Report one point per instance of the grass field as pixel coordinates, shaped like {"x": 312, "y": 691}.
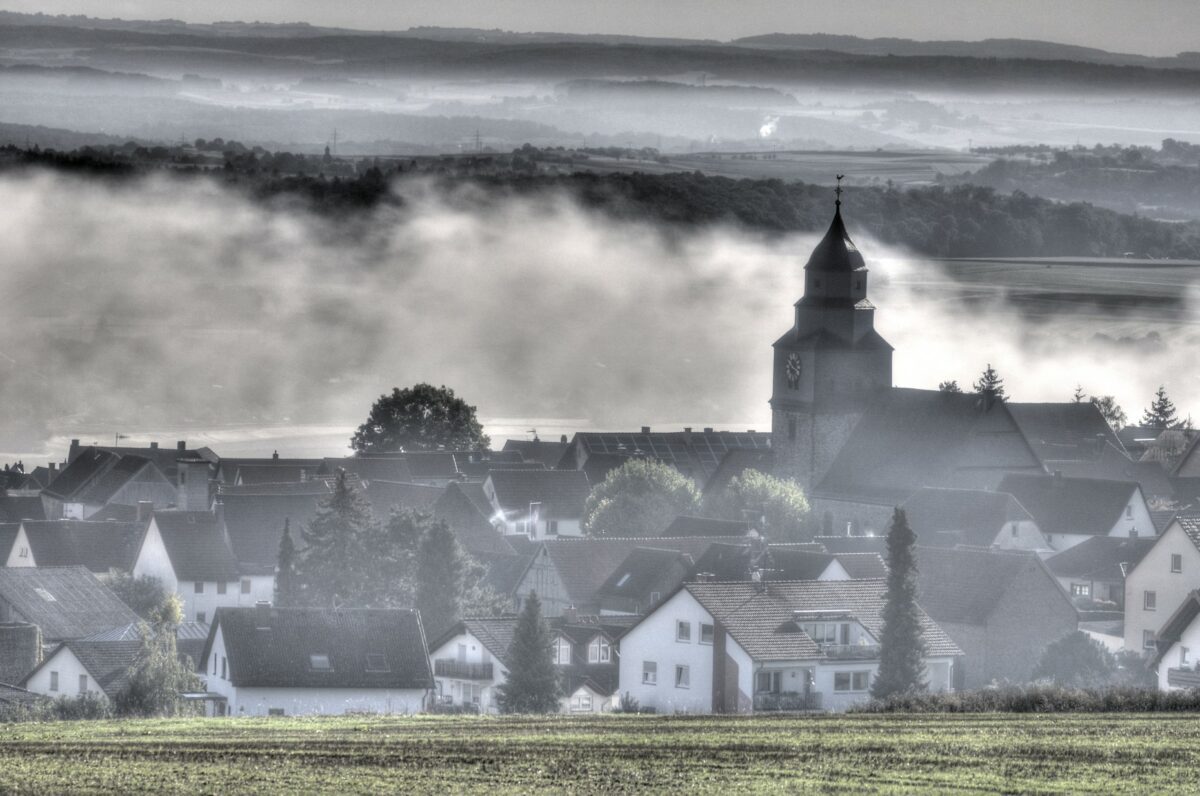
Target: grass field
{"x": 617, "y": 754}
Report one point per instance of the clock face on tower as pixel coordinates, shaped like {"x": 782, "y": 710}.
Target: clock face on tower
{"x": 793, "y": 370}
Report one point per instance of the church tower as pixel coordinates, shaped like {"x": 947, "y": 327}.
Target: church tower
{"x": 830, "y": 364}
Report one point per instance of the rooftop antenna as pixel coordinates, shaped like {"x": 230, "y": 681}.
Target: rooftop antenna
{"x": 334, "y": 147}
{"x": 838, "y": 190}
{"x": 533, "y": 431}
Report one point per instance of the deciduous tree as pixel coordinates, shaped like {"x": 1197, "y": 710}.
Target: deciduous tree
{"x": 420, "y": 418}
{"x": 639, "y": 498}
{"x": 778, "y": 502}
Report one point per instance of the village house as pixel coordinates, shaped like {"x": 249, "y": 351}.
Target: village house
{"x": 539, "y": 504}
{"x": 96, "y": 477}
{"x": 1093, "y": 572}
{"x": 467, "y": 511}
{"x": 641, "y": 580}
{"x": 1072, "y": 510}
{"x": 977, "y": 518}
{"x": 65, "y": 603}
{"x": 188, "y": 552}
{"x": 1161, "y": 581}
{"x": 469, "y": 661}
{"x": 1001, "y": 608}
{"x": 82, "y": 666}
{"x": 99, "y": 546}
{"x": 696, "y": 454}
{"x": 265, "y": 661}
{"x": 761, "y": 647}
{"x": 1177, "y": 651}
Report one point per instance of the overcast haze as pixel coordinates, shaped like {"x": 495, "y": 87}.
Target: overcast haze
{"x": 1150, "y": 27}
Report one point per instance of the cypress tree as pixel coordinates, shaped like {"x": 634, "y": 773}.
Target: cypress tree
{"x": 285, "y": 570}
{"x": 532, "y": 685}
{"x": 902, "y": 646}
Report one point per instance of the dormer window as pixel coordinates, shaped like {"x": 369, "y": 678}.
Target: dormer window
{"x": 561, "y": 654}
{"x": 377, "y": 662}
{"x": 319, "y": 663}
{"x": 599, "y": 650}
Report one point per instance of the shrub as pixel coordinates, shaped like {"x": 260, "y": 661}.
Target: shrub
{"x": 1039, "y": 698}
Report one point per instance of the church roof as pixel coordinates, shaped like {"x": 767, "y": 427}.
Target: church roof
{"x": 836, "y": 252}
{"x": 909, "y": 439}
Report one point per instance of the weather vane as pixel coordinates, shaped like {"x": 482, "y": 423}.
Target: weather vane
{"x": 838, "y": 190}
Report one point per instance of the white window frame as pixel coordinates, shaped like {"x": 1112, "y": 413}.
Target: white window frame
{"x": 683, "y": 676}
{"x": 1176, "y": 562}
{"x": 54, "y": 681}
{"x": 650, "y": 672}
{"x": 599, "y": 650}
{"x": 1148, "y": 640}
{"x": 562, "y": 651}
{"x": 712, "y": 632}
{"x": 1149, "y": 600}
{"x": 683, "y": 631}
{"x": 851, "y": 677}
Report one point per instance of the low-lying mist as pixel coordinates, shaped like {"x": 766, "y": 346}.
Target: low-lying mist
{"x": 167, "y": 302}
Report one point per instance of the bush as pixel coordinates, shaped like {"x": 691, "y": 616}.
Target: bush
{"x": 1039, "y": 698}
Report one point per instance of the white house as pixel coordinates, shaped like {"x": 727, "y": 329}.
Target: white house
{"x": 265, "y": 661}
{"x": 84, "y": 666}
{"x": 1161, "y": 581}
{"x": 540, "y": 504}
{"x": 750, "y": 647}
{"x": 1069, "y": 511}
{"x": 189, "y": 552}
{"x": 1178, "y": 648}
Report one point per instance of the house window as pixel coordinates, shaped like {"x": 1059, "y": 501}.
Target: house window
{"x": 706, "y": 633}
{"x": 683, "y": 678}
{"x": 683, "y": 631}
{"x": 1176, "y": 562}
{"x": 1149, "y": 600}
{"x": 655, "y": 596}
{"x": 201, "y": 617}
{"x": 768, "y": 682}
{"x": 650, "y": 672}
{"x": 1015, "y": 530}
{"x": 599, "y": 650}
{"x": 214, "y": 664}
{"x": 245, "y": 585}
{"x": 562, "y": 651}
{"x": 24, "y": 553}
{"x": 53, "y": 681}
{"x": 552, "y": 527}
{"x": 224, "y": 668}
{"x": 1148, "y": 640}
{"x": 1081, "y": 590}
{"x": 377, "y": 662}
{"x": 1129, "y": 512}
{"x": 221, "y": 587}
{"x": 83, "y": 683}
{"x": 319, "y": 663}
{"x": 582, "y": 702}
{"x": 1183, "y": 656}
{"x": 851, "y": 681}
{"x": 199, "y": 587}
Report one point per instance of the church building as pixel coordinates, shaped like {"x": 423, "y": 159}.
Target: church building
{"x": 861, "y": 446}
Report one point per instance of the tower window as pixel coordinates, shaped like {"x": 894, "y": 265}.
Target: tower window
{"x": 858, "y": 284}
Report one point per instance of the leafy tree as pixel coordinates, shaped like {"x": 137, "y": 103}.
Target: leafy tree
{"x": 420, "y": 418}
{"x": 1114, "y": 415}
{"x": 1161, "y": 413}
{"x": 440, "y": 565}
{"x": 779, "y": 501}
{"x": 158, "y": 678}
{"x": 143, "y": 594}
{"x": 532, "y": 685}
{"x": 950, "y": 386}
{"x": 639, "y": 498}
{"x": 990, "y": 381}
{"x": 340, "y": 551}
{"x": 902, "y": 645}
{"x": 1076, "y": 660}
{"x": 285, "y": 572}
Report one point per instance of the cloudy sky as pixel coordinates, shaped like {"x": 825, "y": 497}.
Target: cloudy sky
{"x": 1153, "y": 27}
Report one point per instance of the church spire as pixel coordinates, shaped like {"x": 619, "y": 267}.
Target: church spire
{"x": 836, "y": 252}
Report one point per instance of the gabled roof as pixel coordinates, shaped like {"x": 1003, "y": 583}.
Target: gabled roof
{"x": 909, "y": 439}
{"x": 255, "y": 523}
{"x": 946, "y": 517}
{"x": 505, "y": 571}
{"x": 1065, "y": 431}
{"x": 227, "y": 468}
{"x": 196, "y": 545}
{"x": 561, "y": 492}
{"x": 696, "y": 454}
{"x": 88, "y": 465}
{"x": 255, "y": 474}
{"x": 165, "y": 458}
{"x": 965, "y": 585}
{"x": 641, "y": 571}
{"x": 14, "y": 508}
{"x": 106, "y": 662}
{"x": 12, "y": 695}
{"x": 496, "y": 634}
{"x": 1115, "y": 465}
{"x": 761, "y": 617}
{"x": 1189, "y": 523}
{"x": 386, "y": 495}
{"x": 537, "y": 450}
{"x": 852, "y": 544}
{"x": 704, "y": 526}
{"x": 273, "y": 647}
{"x": 8, "y": 535}
{"x": 1176, "y": 626}
{"x": 99, "y": 546}
{"x": 125, "y": 469}
{"x": 1102, "y": 558}
{"x": 370, "y": 468}
{"x": 734, "y": 463}
{"x": 465, "y": 508}
{"x": 1071, "y": 505}
{"x": 863, "y": 566}
{"x": 65, "y": 602}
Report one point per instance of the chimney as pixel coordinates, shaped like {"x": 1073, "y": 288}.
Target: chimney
{"x": 562, "y": 438}
{"x": 645, "y": 429}
{"x": 73, "y": 452}
{"x": 570, "y": 614}
{"x": 153, "y": 446}
{"x": 181, "y": 445}
{"x": 262, "y": 615}
{"x": 144, "y": 509}
{"x": 20, "y": 650}
{"x": 275, "y": 456}
{"x": 708, "y": 430}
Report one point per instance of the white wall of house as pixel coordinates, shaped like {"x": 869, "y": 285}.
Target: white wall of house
{"x": 654, "y": 640}
{"x": 152, "y": 561}
{"x": 260, "y": 701}
{"x": 66, "y": 668}
{"x": 20, "y": 555}
{"x": 466, "y": 648}
{"x": 1153, "y": 574}
{"x": 1133, "y": 522}
{"x": 835, "y": 571}
{"x": 1022, "y": 535}
{"x": 1183, "y": 654}
{"x": 585, "y": 700}
{"x": 539, "y": 531}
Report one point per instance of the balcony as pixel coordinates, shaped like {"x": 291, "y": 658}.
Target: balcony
{"x": 850, "y": 652}
{"x": 448, "y": 667}
{"x": 791, "y": 701}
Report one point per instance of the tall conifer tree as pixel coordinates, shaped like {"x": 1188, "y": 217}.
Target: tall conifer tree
{"x": 1161, "y": 413}
{"x": 440, "y": 567}
{"x": 532, "y": 685}
{"x": 285, "y": 571}
{"x": 902, "y": 646}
